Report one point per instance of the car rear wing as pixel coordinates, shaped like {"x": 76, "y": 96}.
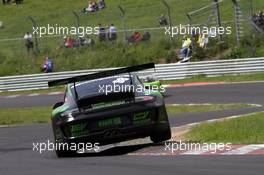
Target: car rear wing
{"x": 103, "y": 74}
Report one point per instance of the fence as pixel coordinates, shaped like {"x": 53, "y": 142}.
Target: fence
{"x": 131, "y": 19}
{"x": 163, "y": 72}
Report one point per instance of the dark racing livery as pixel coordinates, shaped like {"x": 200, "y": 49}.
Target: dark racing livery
{"x": 90, "y": 115}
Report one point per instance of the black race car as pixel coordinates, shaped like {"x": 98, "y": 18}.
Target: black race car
{"x": 94, "y": 112}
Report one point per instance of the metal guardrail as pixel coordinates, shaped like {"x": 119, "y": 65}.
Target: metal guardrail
{"x": 163, "y": 72}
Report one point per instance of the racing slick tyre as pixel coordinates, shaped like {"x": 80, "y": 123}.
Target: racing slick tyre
{"x": 62, "y": 147}
{"x": 60, "y": 152}
{"x": 162, "y": 134}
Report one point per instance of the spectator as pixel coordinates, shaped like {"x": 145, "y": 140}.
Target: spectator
{"x": 14, "y": 1}
{"x": 112, "y": 33}
{"x": 186, "y": 47}
{"x": 94, "y": 5}
{"x": 258, "y": 18}
{"x": 101, "y": 4}
{"x": 68, "y": 42}
{"x": 163, "y": 21}
{"x": 19, "y": 1}
{"x": 91, "y": 7}
{"x": 203, "y": 41}
{"x": 86, "y": 41}
{"x": 29, "y": 41}
{"x": 130, "y": 39}
{"x": 102, "y": 33}
{"x": 137, "y": 37}
{"x": 6, "y": 1}
{"x": 82, "y": 41}
{"x": 47, "y": 65}
{"x": 146, "y": 36}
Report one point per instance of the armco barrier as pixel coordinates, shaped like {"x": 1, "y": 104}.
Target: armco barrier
{"x": 163, "y": 71}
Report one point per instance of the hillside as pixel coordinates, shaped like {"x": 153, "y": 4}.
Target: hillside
{"x": 14, "y": 58}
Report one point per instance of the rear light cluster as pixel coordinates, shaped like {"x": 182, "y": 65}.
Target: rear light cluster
{"x": 144, "y": 98}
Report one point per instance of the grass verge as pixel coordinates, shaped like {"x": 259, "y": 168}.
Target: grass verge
{"x": 33, "y": 115}
{"x": 203, "y": 107}
{"x": 25, "y": 115}
{"x": 139, "y": 14}
{"x": 246, "y": 130}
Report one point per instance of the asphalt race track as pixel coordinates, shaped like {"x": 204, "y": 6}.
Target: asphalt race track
{"x": 17, "y": 156}
{"x": 223, "y": 93}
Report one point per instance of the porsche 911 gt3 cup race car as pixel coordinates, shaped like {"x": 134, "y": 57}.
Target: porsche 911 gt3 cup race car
{"x": 95, "y": 111}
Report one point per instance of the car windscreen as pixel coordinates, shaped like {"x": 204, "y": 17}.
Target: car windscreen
{"x": 101, "y": 86}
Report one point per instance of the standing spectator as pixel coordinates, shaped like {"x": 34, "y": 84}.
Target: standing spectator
{"x": 112, "y": 32}
{"x": 212, "y": 33}
{"x": 203, "y": 41}
{"x": 163, "y": 20}
{"x": 102, "y": 33}
{"x": 29, "y": 41}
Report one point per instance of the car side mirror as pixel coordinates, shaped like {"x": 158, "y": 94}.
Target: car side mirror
{"x": 58, "y": 105}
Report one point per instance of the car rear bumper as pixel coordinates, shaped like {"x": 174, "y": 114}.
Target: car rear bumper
{"x": 116, "y": 135}
{"x": 127, "y": 130}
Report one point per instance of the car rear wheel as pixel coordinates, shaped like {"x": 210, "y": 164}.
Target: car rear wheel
{"x": 62, "y": 147}
{"x": 62, "y": 152}
{"x": 161, "y": 134}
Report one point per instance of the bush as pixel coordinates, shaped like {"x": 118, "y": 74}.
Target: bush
{"x": 235, "y": 53}
{"x": 199, "y": 54}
